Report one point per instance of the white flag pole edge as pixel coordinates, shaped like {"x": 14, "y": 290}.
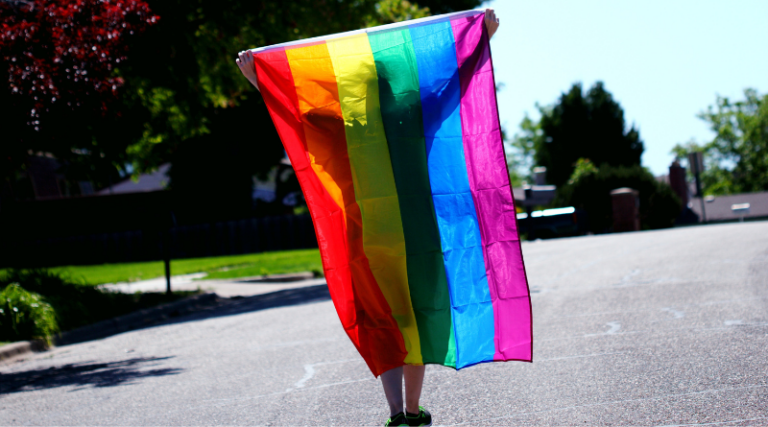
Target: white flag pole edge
{"x": 415, "y": 22}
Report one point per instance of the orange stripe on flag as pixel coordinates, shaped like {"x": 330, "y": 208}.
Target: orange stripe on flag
{"x": 321, "y": 116}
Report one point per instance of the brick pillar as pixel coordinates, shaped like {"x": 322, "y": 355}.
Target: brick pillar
{"x": 626, "y": 210}
{"x": 678, "y": 182}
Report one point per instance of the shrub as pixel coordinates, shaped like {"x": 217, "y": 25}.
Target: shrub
{"x": 75, "y": 304}
{"x": 590, "y": 191}
{"x": 25, "y": 316}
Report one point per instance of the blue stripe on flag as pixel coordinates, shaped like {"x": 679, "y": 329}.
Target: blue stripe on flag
{"x": 457, "y": 222}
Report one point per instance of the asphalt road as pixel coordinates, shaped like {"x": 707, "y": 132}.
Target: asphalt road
{"x": 652, "y": 328}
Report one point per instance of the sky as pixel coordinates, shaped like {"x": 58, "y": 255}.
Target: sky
{"x": 663, "y": 61}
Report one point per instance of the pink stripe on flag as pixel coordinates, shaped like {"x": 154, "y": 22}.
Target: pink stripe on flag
{"x": 489, "y": 182}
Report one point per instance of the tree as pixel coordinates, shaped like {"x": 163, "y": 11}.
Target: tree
{"x": 437, "y": 7}
{"x": 198, "y": 41}
{"x": 522, "y": 149}
{"x": 59, "y": 59}
{"x": 580, "y": 126}
{"x": 737, "y": 157}
{"x": 390, "y": 11}
{"x": 178, "y": 81}
{"x": 194, "y": 96}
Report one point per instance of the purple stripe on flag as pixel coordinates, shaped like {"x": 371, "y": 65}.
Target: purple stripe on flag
{"x": 489, "y": 183}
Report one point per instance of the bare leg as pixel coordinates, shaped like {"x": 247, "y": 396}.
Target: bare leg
{"x": 414, "y": 378}
{"x": 392, "y": 380}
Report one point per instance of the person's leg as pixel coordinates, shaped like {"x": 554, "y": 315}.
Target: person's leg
{"x": 392, "y": 380}
{"x": 414, "y": 378}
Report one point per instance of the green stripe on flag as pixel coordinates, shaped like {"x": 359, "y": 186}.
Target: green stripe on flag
{"x": 400, "y": 102}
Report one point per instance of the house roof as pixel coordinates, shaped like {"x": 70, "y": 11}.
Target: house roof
{"x": 157, "y": 180}
{"x": 719, "y": 207}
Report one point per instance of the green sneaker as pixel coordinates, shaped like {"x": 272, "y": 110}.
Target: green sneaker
{"x": 423, "y": 419}
{"x": 397, "y": 420}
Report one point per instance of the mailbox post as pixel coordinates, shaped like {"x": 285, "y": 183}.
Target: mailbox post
{"x": 626, "y": 209}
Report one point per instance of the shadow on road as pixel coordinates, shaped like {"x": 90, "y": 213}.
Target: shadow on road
{"x": 201, "y": 308}
{"x": 284, "y": 298}
{"x": 129, "y": 370}
{"x": 85, "y": 374}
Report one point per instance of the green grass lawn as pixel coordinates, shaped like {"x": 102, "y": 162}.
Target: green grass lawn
{"x": 216, "y": 267}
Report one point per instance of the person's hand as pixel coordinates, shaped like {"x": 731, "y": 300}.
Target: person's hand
{"x": 245, "y": 62}
{"x": 491, "y": 22}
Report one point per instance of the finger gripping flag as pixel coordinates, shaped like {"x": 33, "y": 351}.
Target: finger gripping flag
{"x": 394, "y": 135}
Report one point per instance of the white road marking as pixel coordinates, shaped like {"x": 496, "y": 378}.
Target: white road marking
{"x": 615, "y": 326}
{"x": 613, "y": 329}
{"x": 628, "y": 277}
{"x": 677, "y": 313}
{"x": 733, "y": 322}
{"x": 309, "y": 372}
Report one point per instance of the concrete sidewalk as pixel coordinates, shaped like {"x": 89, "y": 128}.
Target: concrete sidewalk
{"x": 225, "y": 288}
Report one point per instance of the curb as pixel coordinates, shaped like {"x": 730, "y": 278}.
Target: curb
{"x": 105, "y": 328}
{"x": 135, "y": 320}
{"x": 272, "y": 278}
{"x": 9, "y": 351}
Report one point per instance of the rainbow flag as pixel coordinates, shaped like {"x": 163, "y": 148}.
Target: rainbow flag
{"x": 394, "y": 135}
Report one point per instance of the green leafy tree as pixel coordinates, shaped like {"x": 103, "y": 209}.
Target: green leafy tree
{"x": 184, "y": 69}
{"x": 522, "y": 149}
{"x": 736, "y": 160}
{"x": 589, "y": 189}
{"x": 390, "y": 11}
{"x": 578, "y": 126}
{"x": 201, "y": 113}
{"x": 584, "y": 167}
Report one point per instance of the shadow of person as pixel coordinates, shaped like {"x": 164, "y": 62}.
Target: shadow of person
{"x": 108, "y": 374}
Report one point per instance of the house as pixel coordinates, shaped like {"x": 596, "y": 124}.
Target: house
{"x": 154, "y": 181}
{"x": 732, "y": 207}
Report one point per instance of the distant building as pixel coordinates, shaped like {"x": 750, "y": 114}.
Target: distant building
{"x": 154, "y": 181}
{"x": 732, "y": 207}
{"x": 721, "y": 208}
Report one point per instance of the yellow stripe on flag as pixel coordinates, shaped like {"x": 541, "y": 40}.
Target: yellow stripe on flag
{"x": 374, "y": 182}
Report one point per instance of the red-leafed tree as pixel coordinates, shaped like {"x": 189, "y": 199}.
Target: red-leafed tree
{"x": 58, "y": 60}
